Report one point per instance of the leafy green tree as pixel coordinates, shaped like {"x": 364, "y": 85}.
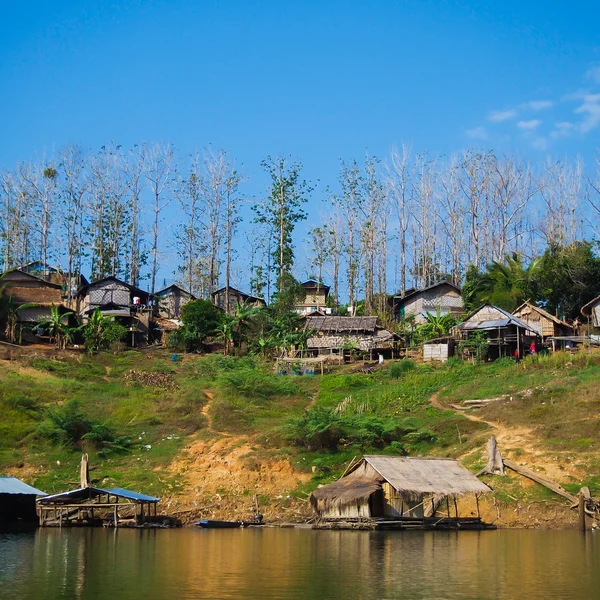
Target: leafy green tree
{"x": 281, "y": 211}
{"x": 201, "y": 319}
{"x": 569, "y": 277}
{"x": 505, "y": 284}
{"x": 57, "y": 327}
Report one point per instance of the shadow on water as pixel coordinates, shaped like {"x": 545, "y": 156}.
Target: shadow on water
{"x": 281, "y": 563}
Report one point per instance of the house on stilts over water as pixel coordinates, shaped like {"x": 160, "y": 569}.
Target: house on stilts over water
{"x": 399, "y": 492}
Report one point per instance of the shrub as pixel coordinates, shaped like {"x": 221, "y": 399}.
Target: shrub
{"x": 398, "y": 369}
{"x": 68, "y": 426}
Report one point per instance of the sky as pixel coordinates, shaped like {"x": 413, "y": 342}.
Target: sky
{"x": 317, "y": 81}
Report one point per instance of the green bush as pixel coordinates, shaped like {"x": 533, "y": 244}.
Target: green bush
{"x": 398, "y": 369}
{"x": 68, "y": 426}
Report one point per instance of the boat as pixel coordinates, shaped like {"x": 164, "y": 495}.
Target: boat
{"x": 208, "y": 524}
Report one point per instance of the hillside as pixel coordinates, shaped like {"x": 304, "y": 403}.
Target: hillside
{"x": 207, "y": 433}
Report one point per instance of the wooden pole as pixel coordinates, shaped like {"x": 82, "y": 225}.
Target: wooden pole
{"x": 448, "y": 506}
{"x": 477, "y": 504}
{"x": 581, "y": 513}
{"x": 455, "y": 507}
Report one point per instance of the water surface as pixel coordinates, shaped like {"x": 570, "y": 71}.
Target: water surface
{"x": 300, "y": 564}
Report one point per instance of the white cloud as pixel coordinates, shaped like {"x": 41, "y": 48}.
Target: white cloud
{"x": 539, "y": 104}
{"x": 497, "y": 116}
{"x": 540, "y": 143}
{"x": 562, "y": 129}
{"x": 478, "y": 133}
{"x": 593, "y": 74}
{"x": 529, "y": 125}
{"x": 591, "y": 111}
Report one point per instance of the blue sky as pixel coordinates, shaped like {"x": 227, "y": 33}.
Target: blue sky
{"x": 318, "y": 81}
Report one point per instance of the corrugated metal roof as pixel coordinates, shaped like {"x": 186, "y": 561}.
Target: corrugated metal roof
{"x": 471, "y": 322}
{"x": 12, "y": 485}
{"x": 132, "y": 495}
{"x": 90, "y": 492}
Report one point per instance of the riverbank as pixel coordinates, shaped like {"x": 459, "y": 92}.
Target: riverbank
{"x": 209, "y": 433}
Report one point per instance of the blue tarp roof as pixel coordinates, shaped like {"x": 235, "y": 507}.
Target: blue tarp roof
{"x": 93, "y": 492}
{"x": 12, "y": 485}
{"x": 132, "y": 495}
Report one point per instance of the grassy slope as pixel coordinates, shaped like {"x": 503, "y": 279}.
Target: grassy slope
{"x": 563, "y": 412}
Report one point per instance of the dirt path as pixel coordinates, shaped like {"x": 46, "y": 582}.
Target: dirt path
{"x": 520, "y": 443}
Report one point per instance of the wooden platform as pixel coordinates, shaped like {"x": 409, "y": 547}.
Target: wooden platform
{"x": 408, "y": 523}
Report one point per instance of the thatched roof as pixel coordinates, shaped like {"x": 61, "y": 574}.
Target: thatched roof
{"x": 42, "y": 296}
{"x": 342, "y": 324}
{"x": 411, "y": 477}
{"x": 344, "y": 491}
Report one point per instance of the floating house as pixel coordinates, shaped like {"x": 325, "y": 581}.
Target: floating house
{"x": 219, "y": 299}
{"x": 505, "y": 333}
{"x": 17, "y": 504}
{"x": 170, "y": 301}
{"x": 314, "y": 299}
{"x": 546, "y": 324}
{"x": 400, "y": 492}
{"x": 440, "y": 298}
{"x": 340, "y": 333}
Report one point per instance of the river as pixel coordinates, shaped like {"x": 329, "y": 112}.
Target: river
{"x": 271, "y": 563}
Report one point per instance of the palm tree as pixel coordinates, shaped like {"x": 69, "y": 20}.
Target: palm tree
{"x": 507, "y": 284}
{"x": 57, "y": 329}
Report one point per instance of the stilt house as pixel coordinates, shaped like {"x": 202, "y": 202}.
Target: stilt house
{"x": 592, "y": 311}
{"x": 543, "y": 322}
{"x": 504, "y": 332}
{"x": 394, "y": 487}
{"x": 126, "y": 303}
{"x": 338, "y": 333}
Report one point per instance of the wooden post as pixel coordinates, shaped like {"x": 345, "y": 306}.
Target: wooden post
{"x": 448, "y": 506}
{"x": 477, "y": 504}
{"x": 456, "y": 507}
{"x": 581, "y": 512}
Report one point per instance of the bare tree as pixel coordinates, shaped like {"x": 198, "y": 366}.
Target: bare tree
{"x": 159, "y": 170}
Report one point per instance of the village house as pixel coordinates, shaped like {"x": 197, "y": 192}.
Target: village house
{"x": 345, "y": 333}
{"x": 405, "y": 491}
{"x": 440, "y": 298}
{"x": 546, "y": 324}
{"x": 169, "y": 302}
{"x": 55, "y": 275}
{"x": 17, "y": 504}
{"x": 26, "y": 289}
{"x": 219, "y": 299}
{"x": 592, "y": 312}
{"x": 505, "y": 333}
{"x": 314, "y": 299}
{"x": 127, "y": 304}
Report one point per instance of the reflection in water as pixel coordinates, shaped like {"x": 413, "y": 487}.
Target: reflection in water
{"x": 274, "y": 563}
